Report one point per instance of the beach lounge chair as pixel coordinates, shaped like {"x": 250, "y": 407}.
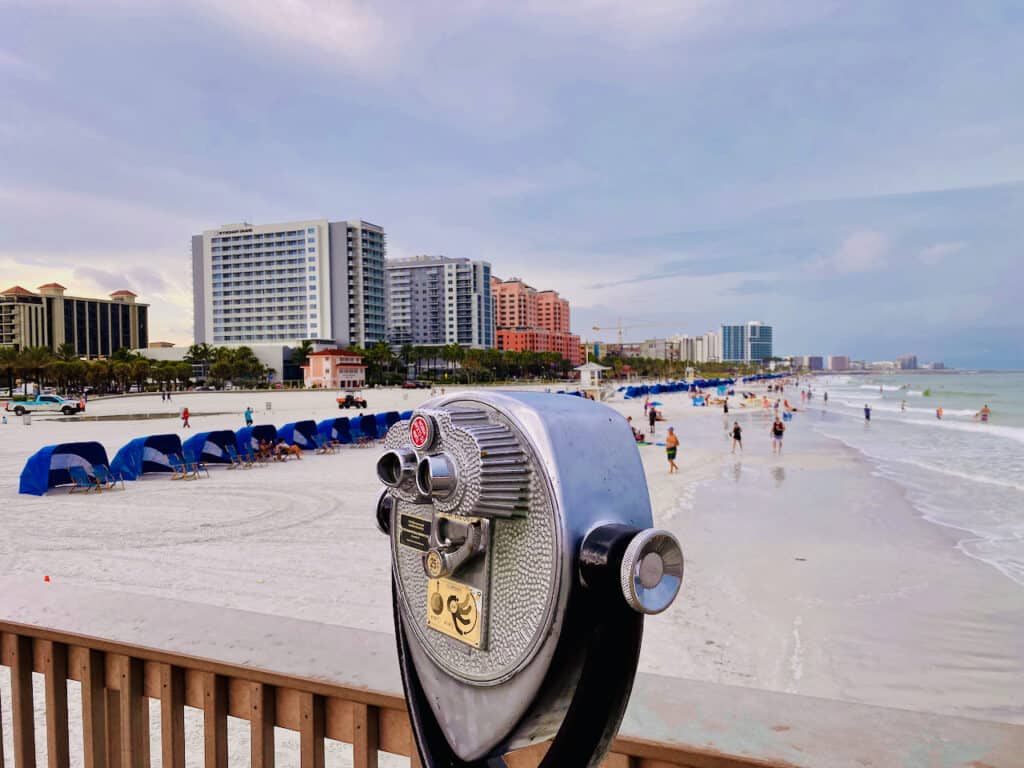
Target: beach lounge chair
{"x": 236, "y": 460}
{"x": 323, "y": 445}
{"x": 83, "y": 480}
{"x": 181, "y": 470}
{"x": 107, "y": 478}
{"x": 254, "y": 458}
{"x": 195, "y": 464}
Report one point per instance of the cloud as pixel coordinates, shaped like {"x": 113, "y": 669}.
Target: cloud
{"x": 864, "y": 251}
{"x": 17, "y": 66}
{"x": 341, "y": 29}
{"x": 933, "y": 254}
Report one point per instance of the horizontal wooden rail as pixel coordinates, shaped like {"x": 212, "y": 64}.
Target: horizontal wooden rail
{"x": 336, "y": 683}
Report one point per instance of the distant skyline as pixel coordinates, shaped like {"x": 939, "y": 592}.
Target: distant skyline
{"x": 851, "y": 173}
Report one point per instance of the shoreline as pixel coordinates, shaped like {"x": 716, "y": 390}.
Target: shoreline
{"x": 876, "y": 594}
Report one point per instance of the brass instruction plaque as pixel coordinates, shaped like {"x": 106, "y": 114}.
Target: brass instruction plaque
{"x": 454, "y": 609}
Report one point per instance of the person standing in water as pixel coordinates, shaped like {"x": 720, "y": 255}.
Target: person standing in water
{"x": 737, "y": 437}
{"x": 903, "y": 405}
{"x": 867, "y": 412}
{"x": 778, "y": 430}
{"x": 984, "y": 413}
{"x": 938, "y": 413}
{"x": 671, "y": 446}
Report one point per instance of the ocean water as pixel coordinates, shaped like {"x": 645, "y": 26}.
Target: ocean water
{"x": 958, "y": 472}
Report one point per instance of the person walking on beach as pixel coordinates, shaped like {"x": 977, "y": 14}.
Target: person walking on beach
{"x": 248, "y": 416}
{"x": 778, "y": 429}
{"x": 652, "y": 416}
{"x": 725, "y": 405}
{"x": 184, "y": 419}
{"x": 671, "y": 446}
{"x": 737, "y": 437}
{"x": 903, "y": 406}
{"x": 826, "y": 398}
{"x": 867, "y": 412}
{"x": 647, "y": 405}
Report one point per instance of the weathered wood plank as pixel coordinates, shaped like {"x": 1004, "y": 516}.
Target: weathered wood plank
{"x": 172, "y": 716}
{"x": 364, "y": 736}
{"x": 311, "y": 730}
{"x": 113, "y": 717}
{"x": 94, "y": 708}
{"x": 19, "y": 659}
{"x": 134, "y": 714}
{"x": 55, "y": 668}
{"x": 261, "y": 725}
{"x": 1, "y": 734}
{"x": 215, "y": 720}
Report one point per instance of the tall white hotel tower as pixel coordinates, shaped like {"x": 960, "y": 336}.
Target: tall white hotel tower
{"x": 281, "y": 283}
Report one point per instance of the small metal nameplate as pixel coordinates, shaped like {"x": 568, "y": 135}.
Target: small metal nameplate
{"x": 414, "y": 533}
{"x": 455, "y": 609}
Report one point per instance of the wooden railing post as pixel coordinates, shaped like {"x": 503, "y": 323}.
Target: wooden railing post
{"x": 134, "y": 715}
{"x": 261, "y": 725}
{"x": 113, "y": 718}
{"x": 215, "y": 720}
{"x": 172, "y": 716}
{"x": 94, "y": 710}
{"x": 311, "y": 730}
{"x": 55, "y": 665}
{"x": 1, "y": 723}
{"x": 364, "y": 736}
{"x": 22, "y": 706}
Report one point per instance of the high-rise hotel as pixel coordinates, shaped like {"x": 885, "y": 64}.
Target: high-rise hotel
{"x": 435, "y": 300}
{"x": 281, "y": 283}
{"x": 749, "y": 343}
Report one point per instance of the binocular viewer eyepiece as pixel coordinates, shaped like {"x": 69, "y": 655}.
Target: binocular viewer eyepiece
{"x": 433, "y": 476}
{"x": 523, "y": 562}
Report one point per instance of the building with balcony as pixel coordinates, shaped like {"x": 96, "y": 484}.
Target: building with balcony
{"x": 436, "y": 300}
{"x": 94, "y": 327}
{"x": 334, "y": 369}
{"x": 748, "y": 343}
{"x": 281, "y": 283}
{"x": 838, "y": 363}
{"x": 528, "y": 320}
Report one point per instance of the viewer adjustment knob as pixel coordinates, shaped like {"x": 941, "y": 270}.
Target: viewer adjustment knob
{"x": 652, "y": 571}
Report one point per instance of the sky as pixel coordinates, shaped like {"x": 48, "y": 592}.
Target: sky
{"x": 850, "y": 172}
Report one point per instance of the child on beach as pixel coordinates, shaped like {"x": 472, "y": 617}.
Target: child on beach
{"x": 184, "y": 419}
{"x": 737, "y": 437}
{"x": 671, "y": 446}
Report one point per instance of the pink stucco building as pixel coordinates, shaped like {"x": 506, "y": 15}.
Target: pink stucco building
{"x": 334, "y": 369}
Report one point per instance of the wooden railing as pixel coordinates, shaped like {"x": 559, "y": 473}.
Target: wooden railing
{"x": 332, "y": 683}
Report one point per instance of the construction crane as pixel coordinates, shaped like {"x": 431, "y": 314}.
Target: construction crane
{"x": 620, "y": 328}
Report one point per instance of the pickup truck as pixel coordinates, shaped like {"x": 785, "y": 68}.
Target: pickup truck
{"x": 44, "y": 403}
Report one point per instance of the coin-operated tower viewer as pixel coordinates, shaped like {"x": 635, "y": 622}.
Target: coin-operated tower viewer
{"x": 523, "y": 563}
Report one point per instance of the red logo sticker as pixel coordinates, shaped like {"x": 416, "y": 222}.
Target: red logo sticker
{"x": 419, "y": 431}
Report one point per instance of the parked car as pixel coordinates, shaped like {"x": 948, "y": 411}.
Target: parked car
{"x": 410, "y": 385}
{"x": 45, "y": 403}
{"x": 351, "y": 401}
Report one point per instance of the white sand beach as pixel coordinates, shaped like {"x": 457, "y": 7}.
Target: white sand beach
{"x": 804, "y": 573}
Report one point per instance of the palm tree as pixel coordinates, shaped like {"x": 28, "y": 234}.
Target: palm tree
{"x": 201, "y": 355}
{"x": 66, "y": 352}
{"x": 8, "y": 365}
{"x": 34, "y": 362}
{"x": 301, "y": 353}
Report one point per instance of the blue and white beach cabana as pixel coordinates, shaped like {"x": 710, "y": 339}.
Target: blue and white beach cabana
{"x": 48, "y": 467}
